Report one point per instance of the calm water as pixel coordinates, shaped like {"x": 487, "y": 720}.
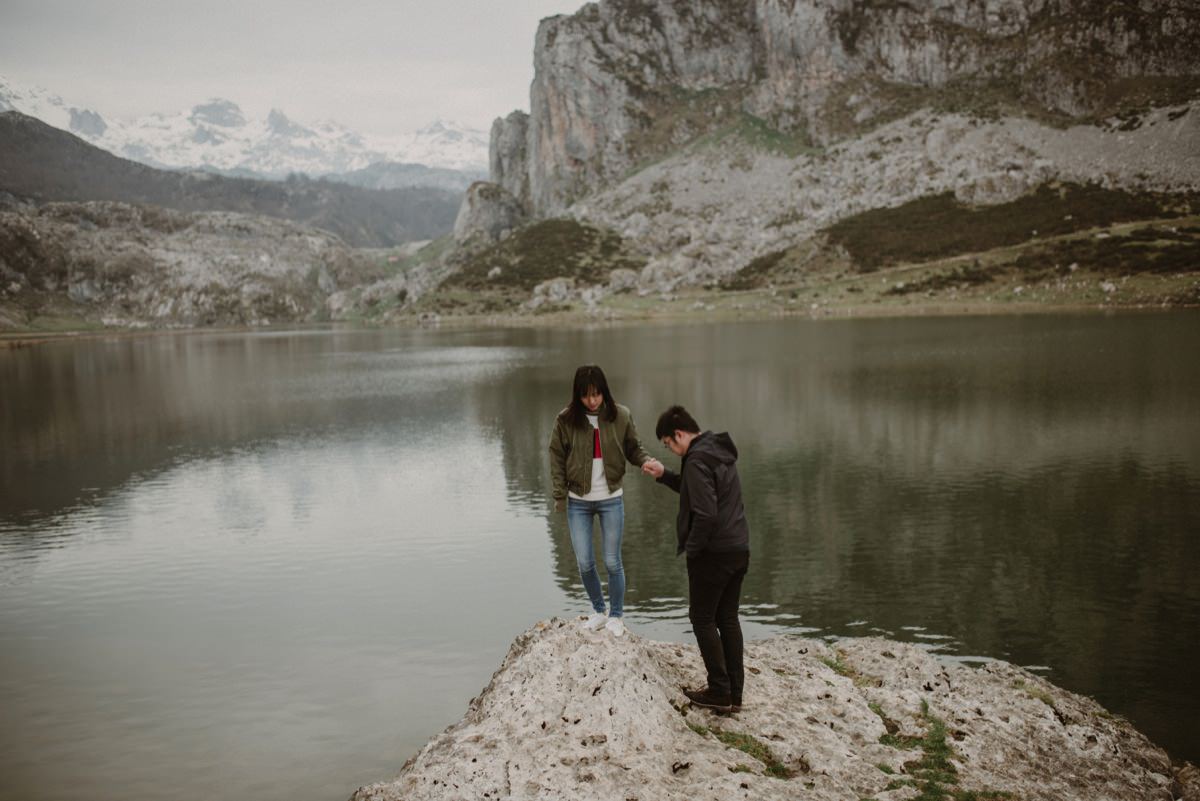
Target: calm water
{"x": 274, "y": 564}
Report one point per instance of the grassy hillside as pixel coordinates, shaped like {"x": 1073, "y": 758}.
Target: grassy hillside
{"x": 938, "y": 226}
{"x": 502, "y": 276}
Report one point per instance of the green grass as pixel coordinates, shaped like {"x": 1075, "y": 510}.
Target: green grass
{"x": 837, "y": 665}
{"x": 1037, "y": 693}
{"x": 1145, "y": 250}
{"x": 933, "y": 774}
{"x": 938, "y": 226}
{"x": 759, "y": 135}
{"x": 545, "y": 250}
{"x": 754, "y": 274}
{"x": 756, "y": 748}
{"x": 962, "y": 276}
{"x": 1104, "y": 714}
{"x": 676, "y": 110}
{"x": 903, "y": 742}
{"x": 434, "y": 250}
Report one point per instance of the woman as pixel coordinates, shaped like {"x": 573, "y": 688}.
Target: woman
{"x": 593, "y": 438}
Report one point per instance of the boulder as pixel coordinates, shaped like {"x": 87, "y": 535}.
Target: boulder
{"x": 554, "y": 291}
{"x": 583, "y": 715}
{"x": 622, "y": 280}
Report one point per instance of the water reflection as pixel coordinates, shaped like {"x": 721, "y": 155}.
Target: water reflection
{"x": 285, "y": 560}
{"x": 80, "y": 418}
{"x": 275, "y": 588}
{"x": 1025, "y": 489}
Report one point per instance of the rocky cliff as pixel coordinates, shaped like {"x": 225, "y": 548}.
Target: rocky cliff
{"x": 586, "y": 716}
{"x": 623, "y": 81}
{"x": 722, "y": 139}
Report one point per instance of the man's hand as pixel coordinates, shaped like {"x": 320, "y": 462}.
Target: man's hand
{"x": 653, "y": 467}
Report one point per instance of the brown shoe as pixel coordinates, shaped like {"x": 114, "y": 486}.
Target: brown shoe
{"x": 710, "y": 700}
{"x": 736, "y": 703}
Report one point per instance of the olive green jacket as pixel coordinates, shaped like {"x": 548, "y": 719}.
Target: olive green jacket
{"x": 571, "y": 453}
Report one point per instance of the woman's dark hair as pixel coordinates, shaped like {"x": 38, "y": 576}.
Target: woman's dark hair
{"x": 587, "y": 377}
{"x": 675, "y": 419}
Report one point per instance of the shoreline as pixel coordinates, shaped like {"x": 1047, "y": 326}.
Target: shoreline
{"x": 602, "y": 317}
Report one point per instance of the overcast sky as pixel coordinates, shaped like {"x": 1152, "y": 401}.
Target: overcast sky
{"x": 379, "y": 66}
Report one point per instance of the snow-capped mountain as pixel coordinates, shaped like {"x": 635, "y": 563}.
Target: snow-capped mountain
{"x": 50, "y": 109}
{"x": 217, "y": 135}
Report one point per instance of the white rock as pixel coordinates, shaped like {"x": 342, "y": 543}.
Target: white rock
{"x": 575, "y": 715}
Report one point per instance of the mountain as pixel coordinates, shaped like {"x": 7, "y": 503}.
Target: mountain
{"x": 43, "y": 163}
{"x": 987, "y": 148}
{"x": 216, "y": 135}
{"x": 120, "y": 264}
{"x": 620, "y": 83}
{"x": 51, "y": 109}
{"x": 391, "y": 175}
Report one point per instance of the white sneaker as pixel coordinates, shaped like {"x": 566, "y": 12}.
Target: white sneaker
{"x": 595, "y": 621}
{"x": 615, "y": 626}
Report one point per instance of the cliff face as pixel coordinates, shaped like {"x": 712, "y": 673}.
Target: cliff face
{"x": 623, "y": 81}
{"x": 601, "y": 75}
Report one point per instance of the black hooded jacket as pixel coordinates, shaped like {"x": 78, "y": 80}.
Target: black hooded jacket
{"x": 711, "y": 516}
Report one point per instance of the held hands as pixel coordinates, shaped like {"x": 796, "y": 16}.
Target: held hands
{"x": 653, "y": 467}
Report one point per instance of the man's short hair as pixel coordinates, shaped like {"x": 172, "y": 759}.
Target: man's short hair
{"x": 675, "y": 419}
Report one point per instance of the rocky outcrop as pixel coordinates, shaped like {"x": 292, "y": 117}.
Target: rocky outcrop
{"x": 508, "y": 156}
{"x": 600, "y": 74}
{"x": 583, "y": 716}
{"x": 623, "y": 81}
{"x": 701, "y": 215}
{"x": 488, "y": 210}
{"x": 140, "y": 265}
{"x": 1064, "y": 55}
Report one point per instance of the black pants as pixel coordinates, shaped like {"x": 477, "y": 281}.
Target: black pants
{"x": 714, "y": 590}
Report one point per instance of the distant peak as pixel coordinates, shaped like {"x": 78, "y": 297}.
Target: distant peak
{"x": 87, "y": 123}
{"x": 439, "y": 126}
{"x": 217, "y": 111}
{"x": 280, "y": 124}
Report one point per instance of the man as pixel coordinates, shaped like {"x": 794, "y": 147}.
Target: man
{"x": 711, "y": 528}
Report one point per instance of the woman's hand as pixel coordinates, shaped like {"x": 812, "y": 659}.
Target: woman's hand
{"x": 560, "y": 505}
{"x": 653, "y": 467}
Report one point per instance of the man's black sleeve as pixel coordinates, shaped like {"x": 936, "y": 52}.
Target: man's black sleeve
{"x": 669, "y": 479}
{"x": 702, "y": 496}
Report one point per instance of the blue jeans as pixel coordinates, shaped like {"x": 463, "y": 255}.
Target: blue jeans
{"x": 611, "y": 512}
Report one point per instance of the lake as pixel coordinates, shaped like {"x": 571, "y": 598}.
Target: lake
{"x": 273, "y": 564}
